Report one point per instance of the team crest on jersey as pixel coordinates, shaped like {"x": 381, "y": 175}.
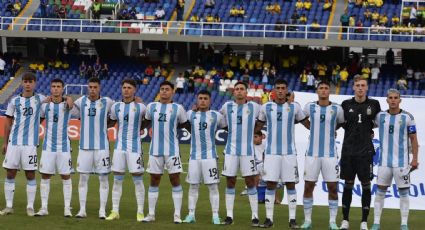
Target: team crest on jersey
{"x": 369, "y": 111}
{"x": 288, "y": 109}
{"x": 248, "y": 111}
{"x": 100, "y": 105}
{"x": 332, "y": 112}
{"x": 134, "y": 109}
{"x": 351, "y": 110}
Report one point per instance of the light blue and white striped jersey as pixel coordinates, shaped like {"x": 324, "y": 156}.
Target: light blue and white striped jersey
{"x": 240, "y": 121}
{"x": 394, "y": 133}
{"x": 280, "y": 120}
{"x": 94, "y": 119}
{"x": 165, "y": 118}
{"x": 26, "y": 123}
{"x": 323, "y": 123}
{"x": 56, "y": 131}
{"x": 129, "y": 117}
{"x": 203, "y": 128}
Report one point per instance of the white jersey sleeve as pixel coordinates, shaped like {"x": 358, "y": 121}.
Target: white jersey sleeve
{"x": 306, "y": 109}
{"x": 43, "y": 110}
{"x": 148, "y": 115}
{"x": 181, "y": 115}
{"x": 262, "y": 114}
{"x": 299, "y": 113}
{"x": 10, "y": 111}
{"x": 340, "y": 115}
{"x": 411, "y": 125}
{"x": 113, "y": 113}
{"x": 223, "y": 112}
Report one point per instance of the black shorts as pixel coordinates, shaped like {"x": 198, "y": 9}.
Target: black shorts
{"x": 360, "y": 165}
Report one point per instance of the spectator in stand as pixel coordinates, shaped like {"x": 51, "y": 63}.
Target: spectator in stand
{"x": 335, "y": 74}
{"x": 157, "y": 71}
{"x": 160, "y": 13}
{"x": 276, "y": 8}
{"x": 190, "y": 85}
{"x": 229, "y": 74}
{"x": 149, "y": 71}
{"x": 245, "y": 76}
{"x": 123, "y": 14}
{"x": 295, "y": 16}
{"x": 9, "y": 7}
{"x": 14, "y": 67}
{"x": 265, "y": 77}
{"x": 83, "y": 69}
{"x": 43, "y": 6}
{"x": 307, "y": 5}
{"x": 344, "y": 19}
{"x": 395, "y": 20}
{"x": 417, "y": 75}
{"x": 241, "y": 12}
{"x": 327, "y": 5}
{"x": 279, "y": 26}
{"x": 272, "y": 75}
{"x": 303, "y": 19}
{"x": 104, "y": 72}
{"x": 234, "y": 11}
{"x": 344, "y": 76}
{"x": 402, "y": 83}
{"x": 375, "y": 73}
{"x": 194, "y": 18}
{"x": 303, "y": 79}
{"x": 315, "y": 26}
{"x": 2, "y": 65}
{"x": 359, "y": 27}
{"x": 16, "y": 8}
{"x": 61, "y": 12}
{"x": 375, "y": 15}
{"x": 413, "y": 16}
{"x": 209, "y": 4}
{"x": 180, "y": 83}
{"x": 216, "y": 79}
{"x": 367, "y": 15}
{"x": 132, "y": 13}
{"x": 89, "y": 72}
{"x": 383, "y": 19}
{"x": 352, "y": 21}
{"x": 97, "y": 66}
{"x": 299, "y": 6}
{"x": 379, "y": 3}
{"x": 359, "y": 3}
{"x": 310, "y": 81}
{"x": 95, "y": 8}
{"x": 321, "y": 71}
{"x": 366, "y": 72}
{"x": 389, "y": 56}
{"x": 209, "y": 18}
{"x": 409, "y": 73}
{"x": 180, "y": 9}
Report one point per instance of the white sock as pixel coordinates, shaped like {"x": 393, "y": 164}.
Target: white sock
{"x": 116, "y": 192}
{"x": 177, "y": 199}
{"x": 308, "y": 209}
{"x": 253, "y": 202}
{"x": 214, "y": 199}
{"x": 193, "y": 198}
{"x": 9, "y": 191}
{"x": 152, "y": 199}
{"x": 333, "y": 210}
{"x": 404, "y": 205}
{"x": 44, "y": 192}
{"x": 67, "y": 192}
{"x": 230, "y": 201}
{"x": 82, "y": 190}
{"x": 269, "y": 203}
{"x": 31, "y": 191}
{"x": 103, "y": 191}
{"x": 292, "y": 203}
{"x": 379, "y": 205}
{"x": 139, "y": 189}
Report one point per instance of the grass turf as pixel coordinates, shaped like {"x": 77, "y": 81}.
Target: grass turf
{"x": 164, "y": 210}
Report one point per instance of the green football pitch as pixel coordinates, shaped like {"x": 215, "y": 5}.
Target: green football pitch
{"x": 165, "y": 210}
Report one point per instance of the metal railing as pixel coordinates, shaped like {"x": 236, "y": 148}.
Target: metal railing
{"x": 75, "y": 85}
{"x": 280, "y": 31}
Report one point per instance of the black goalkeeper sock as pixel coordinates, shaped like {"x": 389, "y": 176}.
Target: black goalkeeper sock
{"x": 347, "y": 196}
{"x": 366, "y": 198}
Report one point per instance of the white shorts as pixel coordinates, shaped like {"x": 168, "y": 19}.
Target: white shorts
{"x": 21, "y": 156}
{"x": 157, "y": 164}
{"x": 400, "y": 175}
{"x": 246, "y": 164}
{"x": 203, "y": 170}
{"x": 122, "y": 159}
{"x": 282, "y": 168}
{"x": 93, "y": 161}
{"x": 327, "y": 165}
{"x": 50, "y": 161}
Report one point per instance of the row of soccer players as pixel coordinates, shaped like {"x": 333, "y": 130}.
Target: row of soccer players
{"x": 241, "y": 118}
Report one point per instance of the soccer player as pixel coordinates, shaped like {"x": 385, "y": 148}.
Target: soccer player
{"x": 203, "y": 155}
{"x": 56, "y": 153}
{"x": 396, "y": 128}
{"x": 128, "y": 147}
{"x": 321, "y": 156}
{"x": 239, "y": 117}
{"x": 357, "y": 148}
{"x": 93, "y": 156}
{"x": 165, "y": 117}
{"x": 21, "y": 141}
{"x": 280, "y": 160}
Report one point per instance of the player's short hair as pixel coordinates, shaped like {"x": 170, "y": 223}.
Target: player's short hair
{"x": 204, "y": 92}
{"x": 241, "y": 83}
{"x": 259, "y": 133}
{"x": 166, "y": 83}
{"x": 280, "y": 82}
{"x": 57, "y": 80}
{"x": 28, "y": 76}
{"x": 323, "y": 83}
{"x": 392, "y": 90}
{"x": 94, "y": 80}
{"x": 130, "y": 82}
{"x": 358, "y": 78}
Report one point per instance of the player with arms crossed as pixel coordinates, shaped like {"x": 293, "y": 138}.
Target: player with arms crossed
{"x": 21, "y": 141}
{"x": 280, "y": 159}
{"x": 239, "y": 117}
{"x": 165, "y": 117}
{"x": 325, "y": 118}
{"x": 357, "y": 148}
{"x": 128, "y": 147}
{"x": 396, "y": 128}
{"x": 56, "y": 153}
{"x": 203, "y": 155}
{"x": 93, "y": 156}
